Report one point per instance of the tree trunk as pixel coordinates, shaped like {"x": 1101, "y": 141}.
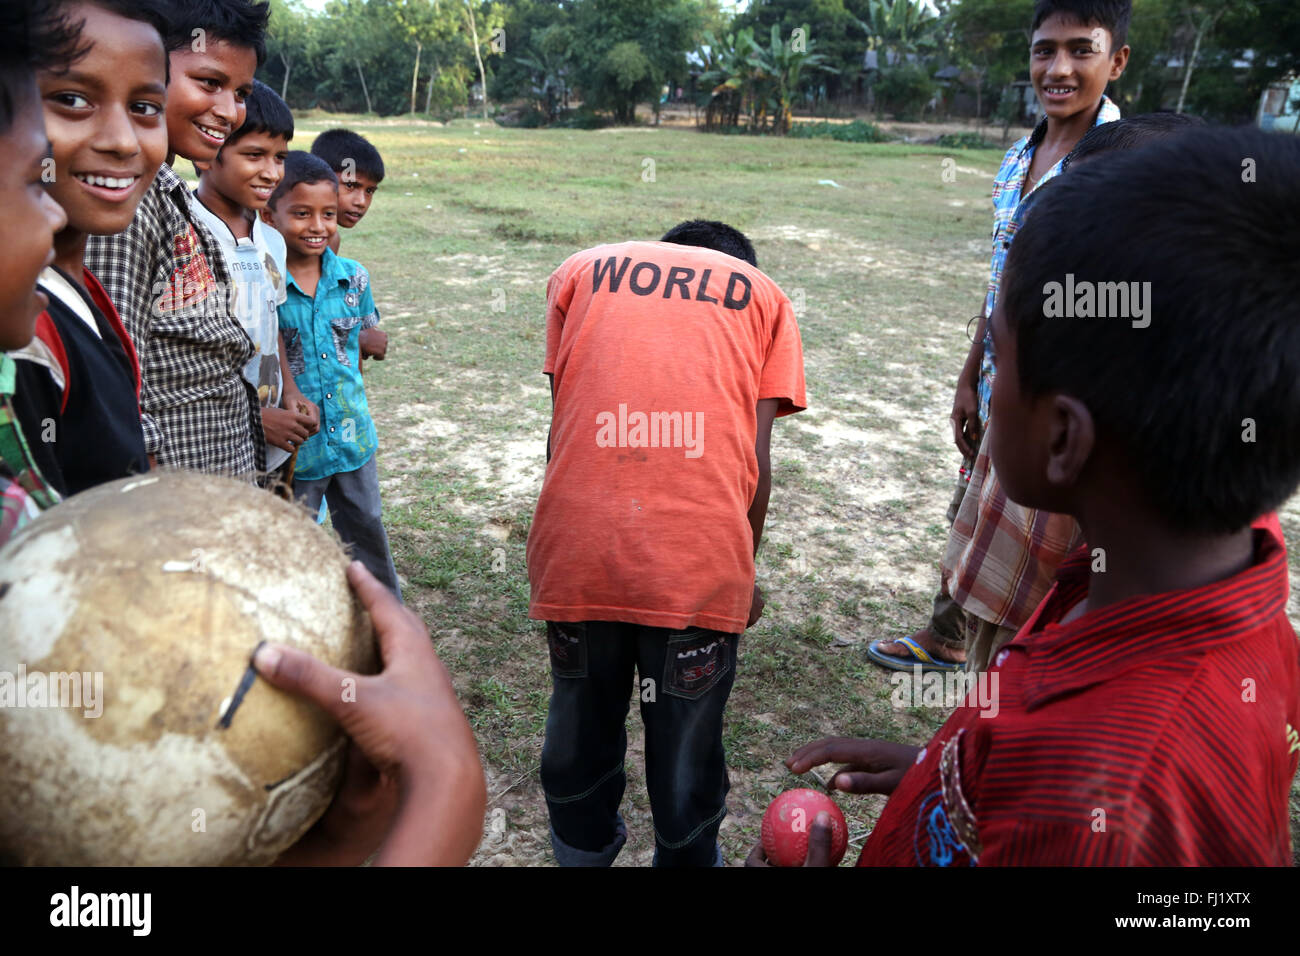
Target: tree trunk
{"x": 482, "y": 75}
{"x": 428, "y": 96}
{"x": 1191, "y": 65}
{"x": 365, "y": 92}
{"x": 284, "y": 89}
{"x": 415, "y": 74}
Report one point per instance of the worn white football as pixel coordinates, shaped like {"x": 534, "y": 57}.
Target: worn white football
{"x": 128, "y": 615}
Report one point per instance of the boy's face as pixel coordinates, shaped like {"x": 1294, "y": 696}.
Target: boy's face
{"x": 205, "y": 100}
{"x": 28, "y": 224}
{"x": 248, "y": 171}
{"x": 105, "y": 120}
{"x": 1014, "y": 445}
{"x": 356, "y": 192}
{"x": 1070, "y": 64}
{"x": 307, "y": 217}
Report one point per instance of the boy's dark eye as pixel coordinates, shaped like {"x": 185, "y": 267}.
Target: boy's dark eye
{"x": 145, "y": 108}
{"x": 74, "y": 101}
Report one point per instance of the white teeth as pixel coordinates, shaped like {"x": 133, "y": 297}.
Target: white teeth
{"x": 214, "y": 133}
{"x": 109, "y": 182}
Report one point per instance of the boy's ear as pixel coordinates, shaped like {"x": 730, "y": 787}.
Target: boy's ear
{"x": 201, "y": 166}
{"x": 1071, "y": 439}
{"x": 265, "y": 215}
{"x": 1118, "y": 61}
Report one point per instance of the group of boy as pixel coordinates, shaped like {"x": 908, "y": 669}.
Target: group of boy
{"x": 214, "y": 330}
{"x": 1117, "y": 691}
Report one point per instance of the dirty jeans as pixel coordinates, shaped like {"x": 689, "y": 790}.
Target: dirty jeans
{"x": 684, "y": 679}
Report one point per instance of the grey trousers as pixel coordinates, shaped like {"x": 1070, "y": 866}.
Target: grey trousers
{"x": 357, "y": 515}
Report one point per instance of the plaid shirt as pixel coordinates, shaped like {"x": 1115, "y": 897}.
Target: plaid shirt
{"x": 322, "y": 348}
{"x": 1008, "y": 213}
{"x": 1132, "y": 716}
{"x": 169, "y": 281}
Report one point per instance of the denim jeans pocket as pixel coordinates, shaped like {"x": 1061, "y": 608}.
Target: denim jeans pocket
{"x": 568, "y": 643}
{"x": 695, "y": 661}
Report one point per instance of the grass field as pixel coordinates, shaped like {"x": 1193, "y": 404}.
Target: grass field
{"x": 887, "y": 265}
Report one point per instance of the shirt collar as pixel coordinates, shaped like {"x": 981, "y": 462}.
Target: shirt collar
{"x": 331, "y": 270}
{"x": 1144, "y": 630}
{"x": 1107, "y": 112}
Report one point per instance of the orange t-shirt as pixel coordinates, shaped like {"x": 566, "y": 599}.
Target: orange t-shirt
{"x": 660, "y": 354}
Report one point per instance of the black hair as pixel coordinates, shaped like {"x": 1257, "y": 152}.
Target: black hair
{"x": 1204, "y": 401}
{"x": 712, "y": 234}
{"x": 240, "y": 23}
{"x": 32, "y": 36}
{"x": 1130, "y": 133}
{"x": 1114, "y": 15}
{"x": 302, "y": 167}
{"x": 266, "y": 113}
{"x": 339, "y": 146}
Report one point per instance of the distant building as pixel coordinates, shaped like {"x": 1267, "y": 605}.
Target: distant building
{"x": 1279, "y": 106}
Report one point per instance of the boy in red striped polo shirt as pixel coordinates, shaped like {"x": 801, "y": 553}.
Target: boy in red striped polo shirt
{"x": 1147, "y": 714}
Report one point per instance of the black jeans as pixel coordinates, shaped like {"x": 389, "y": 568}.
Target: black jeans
{"x": 684, "y": 679}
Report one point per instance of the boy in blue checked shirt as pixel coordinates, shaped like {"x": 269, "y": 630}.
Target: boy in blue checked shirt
{"x": 328, "y": 304}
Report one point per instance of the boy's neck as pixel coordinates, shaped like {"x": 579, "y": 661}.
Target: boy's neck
{"x": 70, "y": 253}
{"x": 1142, "y": 556}
{"x": 304, "y": 268}
{"x": 237, "y": 219}
{"x": 1067, "y": 132}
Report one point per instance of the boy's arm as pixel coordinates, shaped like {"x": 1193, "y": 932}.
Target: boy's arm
{"x": 965, "y": 404}
{"x": 767, "y": 409}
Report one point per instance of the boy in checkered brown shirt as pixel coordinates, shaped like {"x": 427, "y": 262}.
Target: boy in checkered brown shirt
{"x": 166, "y": 274}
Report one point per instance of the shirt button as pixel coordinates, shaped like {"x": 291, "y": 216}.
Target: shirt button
{"x": 322, "y": 355}
{"x": 331, "y": 428}
{"x": 921, "y": 756}
{"x": 997, "y": 661}
{"x": 328, "y": 395}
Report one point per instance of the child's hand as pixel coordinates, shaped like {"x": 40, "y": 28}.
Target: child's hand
{"x": 819, "y": 845}
{"x": 418, "y": 762}
{"x": 374, "y": 343}
{"x": 756, "y": 605}
{"x": 285, "y": 429}
{"x": 303, "y": 406}
{"x": 871, "y": 766}
{"x": 965, "y": 420}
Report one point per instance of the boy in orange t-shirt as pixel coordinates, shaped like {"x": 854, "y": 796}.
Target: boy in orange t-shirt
{"x": 668, "y": 362}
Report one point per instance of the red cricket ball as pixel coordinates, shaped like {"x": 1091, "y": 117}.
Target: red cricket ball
{"x": 789, "y": 820}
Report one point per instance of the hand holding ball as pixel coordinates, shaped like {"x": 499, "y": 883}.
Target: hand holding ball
{"x": 789, "y": 820}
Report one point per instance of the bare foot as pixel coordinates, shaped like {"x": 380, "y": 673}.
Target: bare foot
{"x": 929, "y": 643}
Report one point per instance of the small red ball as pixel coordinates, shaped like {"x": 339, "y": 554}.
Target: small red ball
{"x": 789, "y": 820}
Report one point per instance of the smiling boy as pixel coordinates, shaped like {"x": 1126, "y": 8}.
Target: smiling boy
{"x": 232, "y": 190}
{"x": 360, "y": 170}
{"x": 166, "y": 273}
{"x": 329, "y": 303}
{"x": 78, "y": 380}
{"x": 988, "y": 589}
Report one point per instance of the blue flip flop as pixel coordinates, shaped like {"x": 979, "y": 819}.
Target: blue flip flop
{"x": 918, "y": 655}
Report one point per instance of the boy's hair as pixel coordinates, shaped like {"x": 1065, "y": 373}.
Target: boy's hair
{"x": 712, "y": 234}
{"x": 301, "y": 167}
{"x": 1130, "y": 133}
{"x": 337, "y": 146}
{"x": 238, "y": 22}
{"x": 1204, "y": 402}
{"x": 265, "y": 113}
{"x": 1114, "y": 15}
{"x": 32, "y": 36}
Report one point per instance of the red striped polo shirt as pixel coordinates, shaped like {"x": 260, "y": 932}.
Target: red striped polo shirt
{"x": 1158, "y": 731}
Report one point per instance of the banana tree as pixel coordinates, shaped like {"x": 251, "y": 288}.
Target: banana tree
{"x": 725, "y": 80}
{"x": 779, "y": 69}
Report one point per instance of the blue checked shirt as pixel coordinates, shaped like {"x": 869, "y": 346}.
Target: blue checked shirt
{"x": 1008, "y": 213}
{"x": 321, "y": 346}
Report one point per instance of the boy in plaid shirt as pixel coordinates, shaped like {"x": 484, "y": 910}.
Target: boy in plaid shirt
{"x": 166, "y": 274}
